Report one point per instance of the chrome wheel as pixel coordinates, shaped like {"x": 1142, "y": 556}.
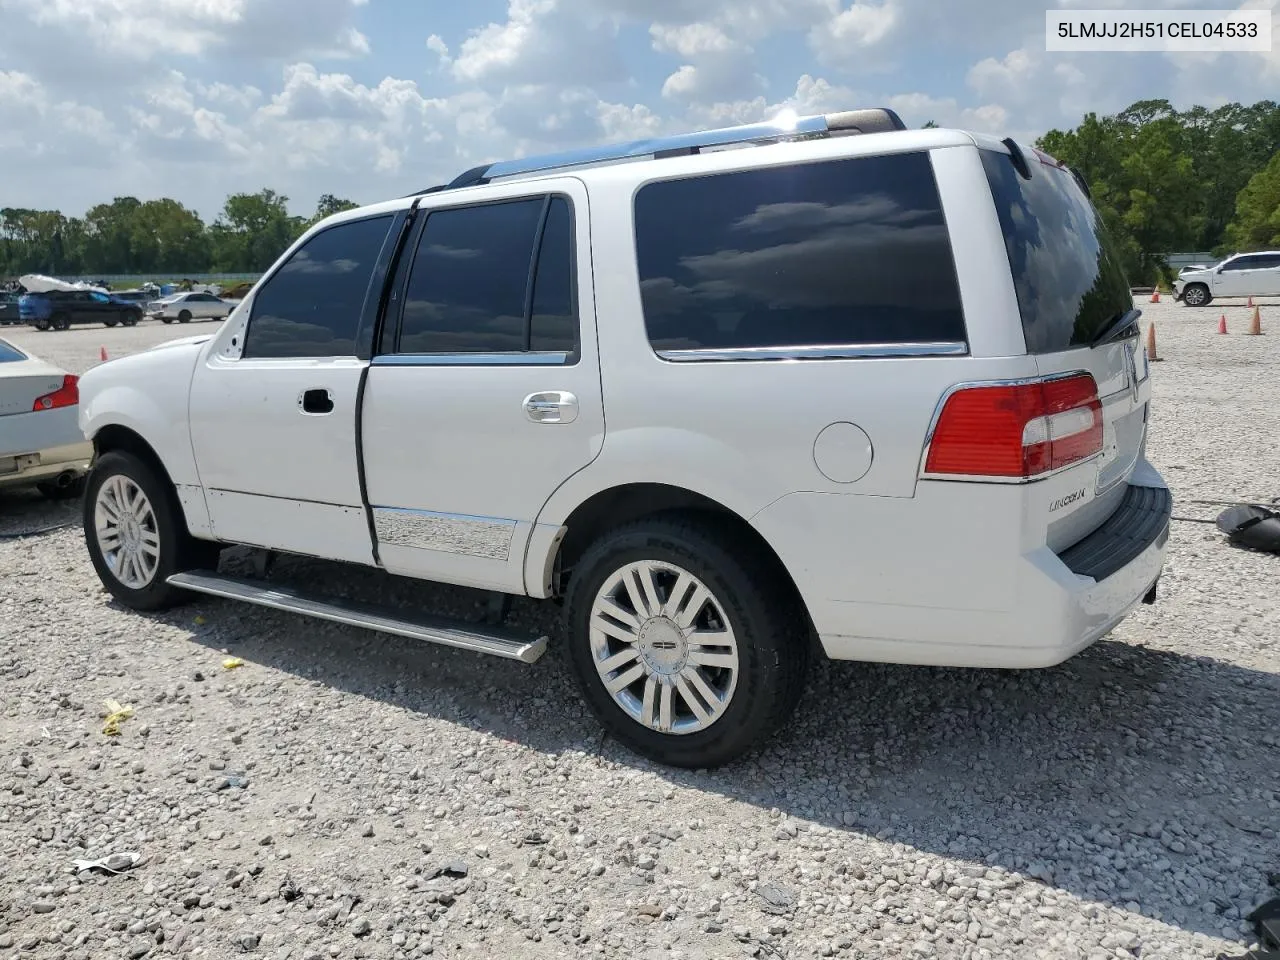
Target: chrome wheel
{"x": 127, "y": 531}
{"x": 663, "y": 647}
{"x": 1194, "y": 296}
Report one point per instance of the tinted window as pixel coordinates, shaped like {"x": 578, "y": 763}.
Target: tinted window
{"x": 1066, "y": 272}
{"x": 311, "y": 307}
{"x": 1242, "y": 263}
{"x": 10, "y": 353}
{"x": 469, "y": 280}
{"x": 845, "y": 252}
{"x": 553, "y": 324}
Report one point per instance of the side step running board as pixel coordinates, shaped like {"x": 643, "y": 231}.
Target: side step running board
{"x": 450, "y": 633}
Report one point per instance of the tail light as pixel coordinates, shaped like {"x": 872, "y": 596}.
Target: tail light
{"x": 1017, "y": 430}
{"x": 67, "y": 395}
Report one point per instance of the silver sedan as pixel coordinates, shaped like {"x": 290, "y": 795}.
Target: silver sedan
{"x": 185, "y": 307}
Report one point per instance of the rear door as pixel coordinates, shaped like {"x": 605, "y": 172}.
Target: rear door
{"x": 1072, "y": 295}
{"x": 485, "y": 396}
{"x": 1270, "y": 276}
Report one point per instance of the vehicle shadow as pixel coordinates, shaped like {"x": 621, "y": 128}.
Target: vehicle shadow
{"x": 1124, "y": 755}
{"x": 24, "y": 512}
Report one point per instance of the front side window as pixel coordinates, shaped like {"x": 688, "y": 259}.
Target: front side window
{"x": 1245, "y": 263}
{"x": 494, "y": 278}
{"x": 311, "y": 306}
{"x": 837, "y": 253}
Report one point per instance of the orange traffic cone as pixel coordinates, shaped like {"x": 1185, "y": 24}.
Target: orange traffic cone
{"x": 1155, "y": 296}
{"x": 1152, "y": 357}
{"x": 1222, "y": 324}
{"x": 1255, "y": 323}
{"x": 102, "y": 355}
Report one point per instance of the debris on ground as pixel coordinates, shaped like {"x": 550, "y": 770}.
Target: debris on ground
{"x": 111, "y": 863}
{"x": 116, "y": 715}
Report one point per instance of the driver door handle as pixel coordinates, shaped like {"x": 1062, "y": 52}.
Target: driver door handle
{"x": 553, "y": 406}
{"x": 316, "y": 402}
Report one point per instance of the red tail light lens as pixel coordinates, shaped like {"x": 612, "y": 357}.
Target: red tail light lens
{"x": 1017, "y": 430}
{"x": 68, "y": 395}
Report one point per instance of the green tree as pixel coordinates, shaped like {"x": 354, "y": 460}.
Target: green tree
{"x": 1257, "y": 222}
{"x": 329, "y": 205}
{"x": 253, "y": 230}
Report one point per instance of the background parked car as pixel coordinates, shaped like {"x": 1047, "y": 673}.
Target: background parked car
{"x": 9, "y": 308}
{"x": 1242, "y": 275}
{"x": 59, "y": 309}
{"x": 40, "y": 439}
{"x": 185, "y": 307}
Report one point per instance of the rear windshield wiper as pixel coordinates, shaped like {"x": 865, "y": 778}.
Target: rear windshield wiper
{"x": 1118, "y": 325}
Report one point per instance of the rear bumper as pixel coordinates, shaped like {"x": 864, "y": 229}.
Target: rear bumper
{"x": 958, "y": 592}
{"x": 41, "y": 445}
{"x": 25, "y": 469}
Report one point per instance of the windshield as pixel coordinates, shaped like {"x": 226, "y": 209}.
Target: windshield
{"x": 1068, "y": 278}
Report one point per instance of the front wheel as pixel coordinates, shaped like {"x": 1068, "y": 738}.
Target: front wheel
{"x": 41, "y": 324}
{"x": 112, "y": 322}
{"x": 167, "y": 319}
{"x": 131, "y": 319}
{"x": 1197, "y": 295}
{"x": 60, "y": 321}
{"x": 683, "y": 641}
{"x": 136, "y": 534}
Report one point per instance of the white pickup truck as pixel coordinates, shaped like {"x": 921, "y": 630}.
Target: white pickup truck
{"x": 848, "y": 387}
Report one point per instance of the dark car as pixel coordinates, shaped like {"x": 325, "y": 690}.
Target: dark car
{"x": 59, "y": 309}
{"x": 9, "y": 308}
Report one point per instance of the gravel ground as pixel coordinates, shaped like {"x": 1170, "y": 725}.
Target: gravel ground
{"x": 326, "y": 798}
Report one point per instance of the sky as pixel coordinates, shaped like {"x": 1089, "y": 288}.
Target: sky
{"x": 371, "y": 99}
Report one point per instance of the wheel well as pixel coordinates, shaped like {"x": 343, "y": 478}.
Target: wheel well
{"x": 115, "y": 437}
{"x": 621, "y": 505}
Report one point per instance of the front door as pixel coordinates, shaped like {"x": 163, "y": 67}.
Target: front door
{"x": 485, "y": 396}
{"x": 274, "y": 427}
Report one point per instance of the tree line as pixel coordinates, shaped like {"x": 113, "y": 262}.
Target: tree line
{"x": 1169, "y": 181}
{"x": 1163, "y": 180}
{"x": 154, "y": 237}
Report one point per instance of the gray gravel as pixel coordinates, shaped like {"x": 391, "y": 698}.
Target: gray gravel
{"x": 344, "y": 794}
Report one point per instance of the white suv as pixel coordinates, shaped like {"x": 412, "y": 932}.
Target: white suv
{"x": 855, "y": 384}
{"x": 1241, "y": 275}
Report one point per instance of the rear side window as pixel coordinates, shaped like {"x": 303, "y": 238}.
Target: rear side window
{"x": 841, "y": 253}
{"x": 493, "y": 278}
{"x": 311, "y": 306}
{"x": 1066, "y": 272}
{"x": 9, "y": 353}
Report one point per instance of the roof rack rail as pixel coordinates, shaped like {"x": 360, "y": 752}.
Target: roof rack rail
{"x": 871, "y": 120}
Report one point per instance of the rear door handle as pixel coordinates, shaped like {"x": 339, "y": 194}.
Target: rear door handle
{"x": 316, "y": 402}
{"x": 553, "y": 406}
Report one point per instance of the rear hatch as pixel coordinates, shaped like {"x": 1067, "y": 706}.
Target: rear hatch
{"x": 1078, "y": 315}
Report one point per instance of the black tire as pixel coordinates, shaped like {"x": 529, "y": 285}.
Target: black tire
{"x": 178, "y": 550}
{"x": 69, "y": 491}
{"x": 131, "y": 319}
{"x": 60, "y": 321}
{"x": 41, "y": 324}
{"x": 184, "y": 316}
{"x": 167, "y": 319}
{"x": 767, "y": 619}
{"x": 1197, "y": 295}
{"x": 111, "y": 322}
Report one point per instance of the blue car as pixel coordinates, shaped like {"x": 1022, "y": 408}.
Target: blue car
{"x": 59, "y": 309}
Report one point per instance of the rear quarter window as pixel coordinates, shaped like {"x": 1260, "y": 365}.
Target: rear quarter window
{"x": 9, "y": 353}
{"x": 835, "y": 253}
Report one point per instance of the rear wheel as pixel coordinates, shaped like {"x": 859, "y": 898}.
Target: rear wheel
{"x": 1197, "y": 295}
{"x": 41, "y": 324}
{"x": 184, "y": 316}
{"x": 683, "y": 641}
{"x": 60, "y": 321}
{"x": 131, "y": 319}
{"x": 111, "y": 322}
{"x": 136, "y": 535}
